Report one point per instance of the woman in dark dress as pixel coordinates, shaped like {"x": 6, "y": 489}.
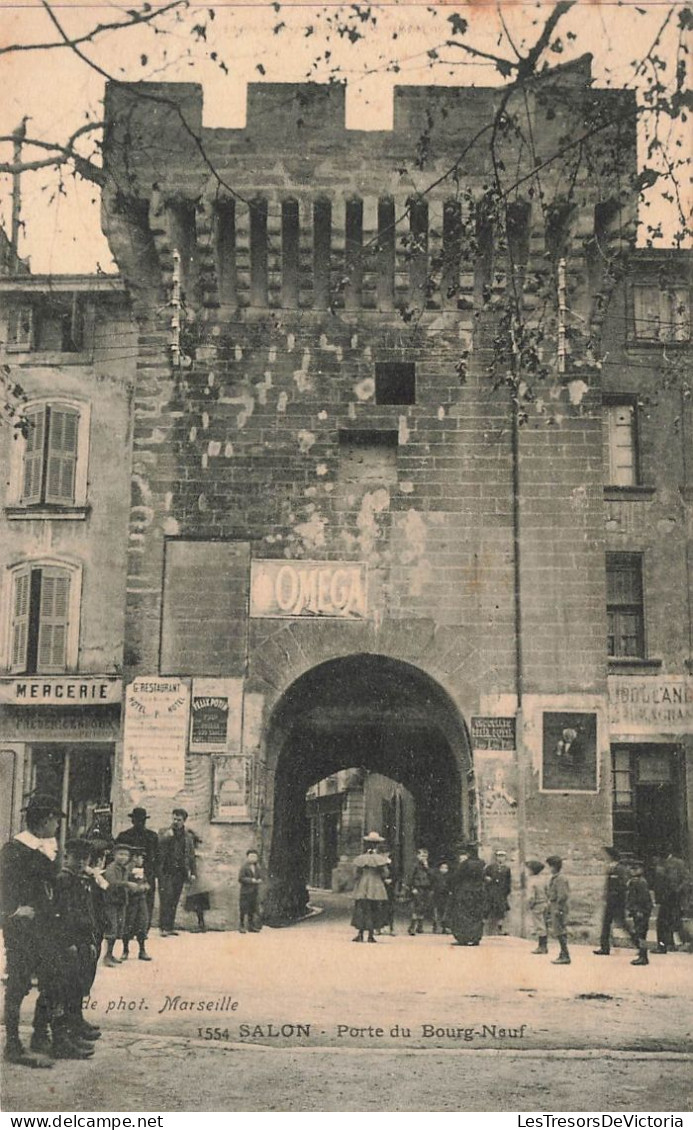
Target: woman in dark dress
{"x": 466, "y": 904}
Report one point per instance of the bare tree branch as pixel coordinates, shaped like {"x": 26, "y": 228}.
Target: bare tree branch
{"x": 137, "y": 19}
{"x": 60, "y": 154}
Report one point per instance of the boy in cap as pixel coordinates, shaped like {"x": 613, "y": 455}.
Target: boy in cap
{"x": 558, "y": 893}
{"x": 27, "y": 882}
{"x": 77, "y": 933}
{"x": 137, "y": 911}
{"x": 250, "y": 879}
{"x": 639, "y": 907}
{"x": 116, "y": 899}
{"x": 140, "y": 836}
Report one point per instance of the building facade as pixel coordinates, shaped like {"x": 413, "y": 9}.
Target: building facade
{"x": 347, "y": 544}
{"x": 68, "y": 356}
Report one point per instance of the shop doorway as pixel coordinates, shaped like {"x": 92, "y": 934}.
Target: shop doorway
{"x": 648, "y": 800}
{"x": 81, "y": 775}
{"x": 384, "y": 717}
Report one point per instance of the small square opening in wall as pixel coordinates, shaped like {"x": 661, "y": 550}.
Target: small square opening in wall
{"x": 395, "y": 382}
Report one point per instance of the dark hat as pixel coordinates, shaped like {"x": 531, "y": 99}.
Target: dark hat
{"x": 80, "y": 848}
{"x": 534, "y": 865}
{"x": 120, "y": 846}
{"x": 252, "y": 851}
{"x": 554, "y": 861}
{"x": 138, "y": 814}
{"x": 180, "y": 812}
{"x": 44, "y": 803}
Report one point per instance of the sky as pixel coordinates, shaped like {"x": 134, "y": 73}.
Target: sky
{"x": 371, "y": 47}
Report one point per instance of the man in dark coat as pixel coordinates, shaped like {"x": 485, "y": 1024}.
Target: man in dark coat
{"x": 139, "y": 836}
{"x": 614, "y": 899}
{"x": 27, "y": 915}
{"x": 176, "y": 868}
{"x": 498, "y": 886}
{"x": 671, "y": 882}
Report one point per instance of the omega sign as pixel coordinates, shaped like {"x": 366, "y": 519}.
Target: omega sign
{"x": 308, "y": 588}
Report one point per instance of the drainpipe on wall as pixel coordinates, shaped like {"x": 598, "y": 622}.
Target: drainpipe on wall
{"x": 519, "y": 663}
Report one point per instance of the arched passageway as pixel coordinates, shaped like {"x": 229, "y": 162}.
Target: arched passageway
{"x": 364, "y": 710}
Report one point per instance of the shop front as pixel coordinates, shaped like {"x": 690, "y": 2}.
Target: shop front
{"x": 651, "y": 725}
{"x": 59, "y": 735}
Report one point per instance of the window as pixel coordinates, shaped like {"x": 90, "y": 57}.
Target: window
{"x": 395, "y": 382}
{"x": 49, "y": 466}
{"x": 624, "y": 598}
{"x": 50, "y": 456}
{"x": 52, "y": 323}
{"x": 623, "y": 798}
{"x": 620, "y": 419}
{"x": 20, "y": 328}
{"x": 662, "y": 313}
{"x": 44, "y": 618}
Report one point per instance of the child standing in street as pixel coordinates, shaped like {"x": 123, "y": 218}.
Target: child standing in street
{"x": 116, "y": 900}
{"x": 639, "y": 908}
{"x": 537, "y": 904}
{"x": 558, "y": 893}
{"x": 137, "y": 909}
{"x": 440, "y": 884}
{"x": 250, "y": 879}
{"x": 77, "y": 937}
{"x": 420, "y": 889}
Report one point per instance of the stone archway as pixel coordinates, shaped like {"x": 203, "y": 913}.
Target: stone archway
{"x": 362, "y": 710}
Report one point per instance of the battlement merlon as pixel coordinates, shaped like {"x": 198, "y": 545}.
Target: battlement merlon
{"x": 155, "y": 137}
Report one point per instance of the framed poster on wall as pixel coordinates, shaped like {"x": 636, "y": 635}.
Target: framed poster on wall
{"x": 569, "y": 760}
{"x": 231, "y": 789}
{"x": 216, "y": 715}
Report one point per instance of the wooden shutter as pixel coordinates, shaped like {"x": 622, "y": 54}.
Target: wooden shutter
{"x": 20, "y": 619}
{"x": 53, "y": 620}
{"x": 20, "y": 328}
{"x": 63, "y": 433}
{"x": 622, "y": 462}
{"x": 32, "y": 477}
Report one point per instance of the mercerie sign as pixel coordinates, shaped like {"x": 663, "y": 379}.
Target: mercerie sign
{"x": 50, "y": 691}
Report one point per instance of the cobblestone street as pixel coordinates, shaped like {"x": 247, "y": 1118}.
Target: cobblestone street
{"x": 486, "y": 1028}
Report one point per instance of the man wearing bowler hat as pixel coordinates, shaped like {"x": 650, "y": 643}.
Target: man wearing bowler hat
{"x": 141, "y": 837}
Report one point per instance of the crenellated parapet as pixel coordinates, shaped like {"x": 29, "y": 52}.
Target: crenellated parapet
{"x": 296, "y": 212}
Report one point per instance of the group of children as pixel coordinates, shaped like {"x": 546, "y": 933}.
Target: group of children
{"x": 548, "y": 906}
{"x": 125, "y": 907}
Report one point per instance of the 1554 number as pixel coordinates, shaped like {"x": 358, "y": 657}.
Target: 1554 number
{"x": 213, "y": 1034}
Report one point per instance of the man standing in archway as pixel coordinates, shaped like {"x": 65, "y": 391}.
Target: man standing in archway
{"x": 498, "y": 887}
